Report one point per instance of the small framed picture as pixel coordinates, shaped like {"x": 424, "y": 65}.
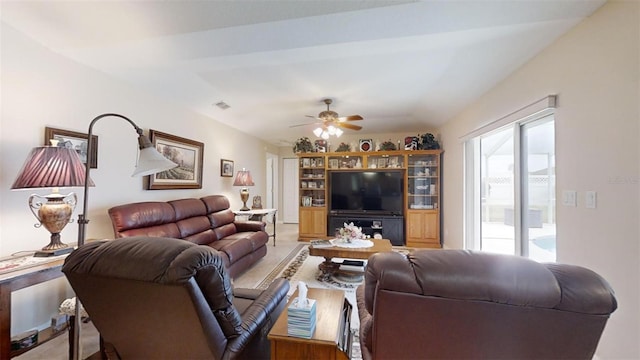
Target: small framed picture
{"x": 382, "y": 163}
{"x": 306, "y": 162}
{"x": 333, "y": 163}
{"x": 74, "y": 140}
{"x": 366, "y": 145}
{"x": 226, "y": 168}
{"x": 321, "y": 145}
{"x": 411, "y": 143}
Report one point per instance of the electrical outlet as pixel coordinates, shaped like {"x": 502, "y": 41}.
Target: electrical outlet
{"x": 590, "y": 199}
{"x": 569, "y": 198}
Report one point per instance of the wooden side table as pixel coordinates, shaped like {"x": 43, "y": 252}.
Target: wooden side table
{"x": 20, "y": 278}
{"x": 332, "y": 337}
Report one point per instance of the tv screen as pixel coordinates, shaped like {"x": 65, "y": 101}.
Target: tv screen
{"x": 379, "y": 192}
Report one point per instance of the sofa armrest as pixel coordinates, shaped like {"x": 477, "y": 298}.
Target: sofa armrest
{"x": 243, "y": 226}
{"x": 260, "y": 312}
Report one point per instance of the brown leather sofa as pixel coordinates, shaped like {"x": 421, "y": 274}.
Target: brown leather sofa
{"x": 205, "y": 221}
{"x": 166, "y": 298}
{"x": 457, "y": 304}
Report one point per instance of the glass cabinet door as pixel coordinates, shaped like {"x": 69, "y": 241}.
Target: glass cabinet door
{"x": 345, "y": 162}
{"x": 385, "y": 161}
{"x": 423, "y": 171}
{"x": 312, "y": 182}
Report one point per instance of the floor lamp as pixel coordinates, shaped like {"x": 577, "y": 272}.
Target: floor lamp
{"x": 150, "y": 161}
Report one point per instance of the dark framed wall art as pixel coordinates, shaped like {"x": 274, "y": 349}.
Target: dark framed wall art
{"x": 226, "y": 168}
{"x": 188, "y": 154}
{"x": 74, "y": 140}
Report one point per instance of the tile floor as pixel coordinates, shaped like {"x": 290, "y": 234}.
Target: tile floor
{"x": 287, "y": 239}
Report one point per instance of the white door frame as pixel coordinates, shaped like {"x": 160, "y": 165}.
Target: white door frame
{"x": 290, "y": 188}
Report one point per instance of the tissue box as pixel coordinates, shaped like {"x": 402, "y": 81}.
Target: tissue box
{"x": 301, "y": 321}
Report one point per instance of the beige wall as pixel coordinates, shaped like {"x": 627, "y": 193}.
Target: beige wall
{"x": 594, "y": 70}
{"x": 41, "y": 88}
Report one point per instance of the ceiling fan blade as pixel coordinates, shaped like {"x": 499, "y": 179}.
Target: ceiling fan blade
{"x": 297, "y": 125}
{"x": 350, "y": 118}
{"x": 349, "y": 126}
{"x": 313, "y": 117}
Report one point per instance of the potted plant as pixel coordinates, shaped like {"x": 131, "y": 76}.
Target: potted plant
{"x": 303, "y": 145}
{"x": 387, "y": 146}
{"x": 343, "y": 147}
{"x": 428, "y": 142}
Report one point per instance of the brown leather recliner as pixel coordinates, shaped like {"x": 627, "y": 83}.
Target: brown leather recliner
{"x": 171, "y": 299}
{"x": 457, "y": 304}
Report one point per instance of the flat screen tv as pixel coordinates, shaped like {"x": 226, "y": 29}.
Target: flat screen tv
{"x": 366, "y": 192}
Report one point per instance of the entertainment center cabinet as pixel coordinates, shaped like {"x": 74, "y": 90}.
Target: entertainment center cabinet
{"x": 404, "y": 208}
{"x": 389, "y": 227}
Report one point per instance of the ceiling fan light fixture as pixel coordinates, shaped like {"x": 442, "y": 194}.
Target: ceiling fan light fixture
{"x": 330, "y": 124}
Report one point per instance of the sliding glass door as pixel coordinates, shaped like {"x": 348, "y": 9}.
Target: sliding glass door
{"x": 539, "y": 189}
{"x": 510, "y": 188}
{"x": 497, "y": 192}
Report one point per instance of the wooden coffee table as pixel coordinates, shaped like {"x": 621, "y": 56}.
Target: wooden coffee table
{"x": 329, "y": 267}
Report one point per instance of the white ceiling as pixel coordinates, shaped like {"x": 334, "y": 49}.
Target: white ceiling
{"x": 405, "y": 66}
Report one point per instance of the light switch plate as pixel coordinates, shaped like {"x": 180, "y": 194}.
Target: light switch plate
{"x": 590, "y": 199}
{"x": 569, "y": 198}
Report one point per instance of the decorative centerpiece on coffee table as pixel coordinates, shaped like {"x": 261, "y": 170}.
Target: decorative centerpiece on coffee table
{"x": 351, "y": 236}
{"x": 350, "y": 232}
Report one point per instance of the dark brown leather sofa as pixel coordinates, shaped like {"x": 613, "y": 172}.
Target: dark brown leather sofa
{"x": 205, "y": 221}
{"x": 166, "y": 298}
{"x": 457, "y": 304}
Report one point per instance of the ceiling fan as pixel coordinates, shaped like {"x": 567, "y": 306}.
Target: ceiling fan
{"x": 330, "y": 123}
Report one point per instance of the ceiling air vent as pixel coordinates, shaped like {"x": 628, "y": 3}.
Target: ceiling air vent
{"x": 222, "y": 105}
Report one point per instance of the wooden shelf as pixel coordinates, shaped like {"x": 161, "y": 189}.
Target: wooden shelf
{"x": 424, "y": 222}
{"x": 43, "y": 336}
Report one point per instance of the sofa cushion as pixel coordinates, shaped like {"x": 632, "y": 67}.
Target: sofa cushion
{"x": 167, "y": 230}
{"x": 215, "y": 203}
{"x": 152, "y": 218}
{"x": 192, "y": 221}
{"x": 239, "y": 245}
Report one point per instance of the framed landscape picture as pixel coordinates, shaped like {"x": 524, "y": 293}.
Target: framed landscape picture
{"x": 188, "y": 154}
{"x": 74, "y": 140}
